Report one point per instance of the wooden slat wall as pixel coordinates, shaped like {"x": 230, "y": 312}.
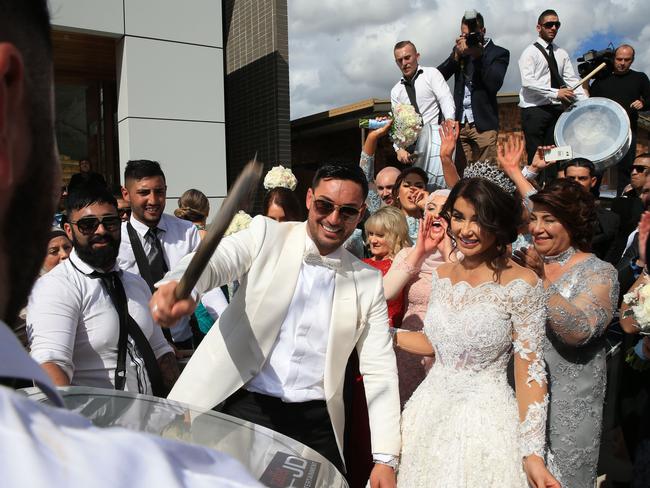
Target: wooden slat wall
{"x": 83, "y": 57}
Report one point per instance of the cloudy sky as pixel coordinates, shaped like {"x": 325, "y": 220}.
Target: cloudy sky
{"x": 340, "y": 51}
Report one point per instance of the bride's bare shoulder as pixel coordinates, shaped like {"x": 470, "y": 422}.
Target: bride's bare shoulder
{"x": 516, "y": 272}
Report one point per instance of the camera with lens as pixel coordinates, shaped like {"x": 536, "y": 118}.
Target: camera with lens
{"x": 592, "y": 59}
{"x": 474, "y": 36}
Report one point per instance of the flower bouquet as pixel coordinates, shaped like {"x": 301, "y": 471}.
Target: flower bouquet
{"x": 639, "y": 301}
{"x": 407, "y": 124}
{"x": 240, "y": 221}
{"x": 279, "y": 176}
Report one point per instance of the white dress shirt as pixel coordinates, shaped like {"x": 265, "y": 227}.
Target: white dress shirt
{"x": 47, "y": 446}
{"x": 179, "y": 238}
{"x": 432, "y": 94}
{"x": 72, "y": 322}
{"x": 296, "y": 364}
{"x": 536, "y": 76}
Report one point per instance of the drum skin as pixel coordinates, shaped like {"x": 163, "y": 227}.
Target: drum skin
{"x": 597, "y": 129}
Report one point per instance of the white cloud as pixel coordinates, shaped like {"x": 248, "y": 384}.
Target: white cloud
{"x": 341, "y": 51}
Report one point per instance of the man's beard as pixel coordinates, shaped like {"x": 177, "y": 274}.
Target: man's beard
{"x": 101, "y": 258}
{"x": 29, "y": 217}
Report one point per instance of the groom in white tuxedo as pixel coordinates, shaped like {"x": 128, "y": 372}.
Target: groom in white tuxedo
{"x": 278, "y": 353}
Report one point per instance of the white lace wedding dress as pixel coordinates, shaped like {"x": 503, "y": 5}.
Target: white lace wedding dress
{"x": 461, "y": 427}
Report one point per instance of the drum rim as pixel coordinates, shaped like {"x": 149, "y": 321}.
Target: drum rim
{"x": 623, "y": 138}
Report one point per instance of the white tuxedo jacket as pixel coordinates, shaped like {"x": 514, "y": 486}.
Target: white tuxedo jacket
{"x": 266, "y": 258}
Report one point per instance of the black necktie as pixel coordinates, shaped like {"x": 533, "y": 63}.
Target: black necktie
{"x": 409, "y": 85}
{"x": 552, "y": 63}
{"x": 128, "y": 327}
{"x": 156, "y": 259}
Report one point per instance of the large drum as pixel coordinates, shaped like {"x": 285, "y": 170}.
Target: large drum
{"x": 597, "y": 129}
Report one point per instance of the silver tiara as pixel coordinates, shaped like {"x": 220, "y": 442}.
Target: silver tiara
{"x": 484, "y": 169}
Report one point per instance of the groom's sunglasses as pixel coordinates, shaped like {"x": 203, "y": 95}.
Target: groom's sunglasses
{"x": 347, "y": 213}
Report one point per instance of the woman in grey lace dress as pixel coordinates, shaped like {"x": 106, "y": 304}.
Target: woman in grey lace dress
{"x": 581, "y": 294}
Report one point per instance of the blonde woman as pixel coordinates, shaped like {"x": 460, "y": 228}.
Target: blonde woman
{"x": 386, "y": 235}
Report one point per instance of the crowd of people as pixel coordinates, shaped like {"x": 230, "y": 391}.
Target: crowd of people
{"x": 445, "y": 322}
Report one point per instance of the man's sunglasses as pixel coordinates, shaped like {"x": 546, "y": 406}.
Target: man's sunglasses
{"x": 639, "y": 168}
{"x": 88, "y": 225}
{"x": 124, "y": 211}
{"x": 548, "y": 25}
{"x": 346, "y": 212}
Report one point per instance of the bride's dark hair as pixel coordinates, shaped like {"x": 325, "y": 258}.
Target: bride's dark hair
{"x": 497, "y": 212}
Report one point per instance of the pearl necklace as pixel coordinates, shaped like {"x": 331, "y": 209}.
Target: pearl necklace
{"x": 561, "y": 258}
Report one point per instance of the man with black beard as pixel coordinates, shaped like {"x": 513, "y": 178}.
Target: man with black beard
{"x": 76, "y": 326}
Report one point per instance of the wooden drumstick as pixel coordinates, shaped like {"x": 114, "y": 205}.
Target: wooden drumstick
{"x": 590, "y": 75}
{"x": 239, "y": 194}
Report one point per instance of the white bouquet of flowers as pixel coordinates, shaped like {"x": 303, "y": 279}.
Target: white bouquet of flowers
{"x": 280, "y": 176}
{"x": 639, "y": 301}
{"x": 407, "y": 124}
{"x": 240, "y": 221}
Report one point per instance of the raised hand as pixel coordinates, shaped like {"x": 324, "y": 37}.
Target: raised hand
{"x": 430, "y": 234}
{"x": 448, "y": 131}
{"x": 528, "y": 257}
{"x": 509, "y": 155}
{"x": 419, "y": 197}
{"x": 539, "y": 163}
{"x": 382, "y": 131}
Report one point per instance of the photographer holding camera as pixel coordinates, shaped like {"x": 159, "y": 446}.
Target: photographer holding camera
{"x": 631, "y": 90}
{"x": 546, "y": 80}
{"x": 479, "y": 67}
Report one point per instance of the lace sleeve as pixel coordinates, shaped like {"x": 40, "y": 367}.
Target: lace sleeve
{"x": 528, "y": 314}
{"x": 578, "y": 314}
{"x": 367, "y": 163}
{"x": 399, "y": 274}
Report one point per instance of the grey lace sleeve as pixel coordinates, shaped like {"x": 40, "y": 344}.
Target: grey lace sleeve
{"x": 577, "y": 317}
{"x": 367, "y": 163}
{"x": 528, "y": 318}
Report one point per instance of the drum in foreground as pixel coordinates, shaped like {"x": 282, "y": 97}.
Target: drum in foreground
{"x": 597, "y": 129}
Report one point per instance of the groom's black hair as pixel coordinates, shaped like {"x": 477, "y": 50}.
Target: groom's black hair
{"x": 340, "y": 171}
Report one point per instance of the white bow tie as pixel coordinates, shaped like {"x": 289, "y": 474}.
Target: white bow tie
{"x": 316, "y": 259}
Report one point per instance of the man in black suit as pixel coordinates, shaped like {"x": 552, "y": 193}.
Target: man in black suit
{"x": 583, "y": 172}
{"x": 478, "y": 69}
{"x": 629, "y": 205}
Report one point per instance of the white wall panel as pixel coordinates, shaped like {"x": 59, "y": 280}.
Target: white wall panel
{"x": 92, "y": 16}
{"x": 192, "y": 154}
{"x": 170, "y": 80}
{"x": 193, "y": 21}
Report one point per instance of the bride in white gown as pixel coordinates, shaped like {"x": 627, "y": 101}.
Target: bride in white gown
{"x": 464, "y": 426}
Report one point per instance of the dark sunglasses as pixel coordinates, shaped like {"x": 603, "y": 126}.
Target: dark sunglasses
{"x": 548, "y": 25}
{"x": 124, "y": 211}
{"x": 346, "y": 212}
{"x": 88, "y": 225}
{"x": 639, "y": 168}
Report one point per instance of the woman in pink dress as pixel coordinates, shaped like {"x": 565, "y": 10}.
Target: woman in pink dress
{"x": 410, "y": 277}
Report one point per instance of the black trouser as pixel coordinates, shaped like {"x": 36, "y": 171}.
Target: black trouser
{"x": 306, "y": 422}
{"x": 538, "y": 124}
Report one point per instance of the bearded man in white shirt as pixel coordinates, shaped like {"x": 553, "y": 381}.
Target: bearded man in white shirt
{"x": 74, "y": 322}
{"x": 277, "y": 355}
{"x": 547, "y": 76}
{"x": 427, "y": 91}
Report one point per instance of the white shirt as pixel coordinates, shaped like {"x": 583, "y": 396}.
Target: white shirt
{"x": 536, "y": 76}
{"x": 72, "y": 322}
{"x": 432, "y": 94}
{"x": 294, "y": 370}
{"x": 179, "y": 238}
{"x": 47, "y": 446}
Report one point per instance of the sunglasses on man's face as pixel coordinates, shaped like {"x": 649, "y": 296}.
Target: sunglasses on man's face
{"x": 548, "y": 25}
{"x": 639, "y": 168}
{"x": 88, "y": 225}
{"x": 347, "y": 213}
